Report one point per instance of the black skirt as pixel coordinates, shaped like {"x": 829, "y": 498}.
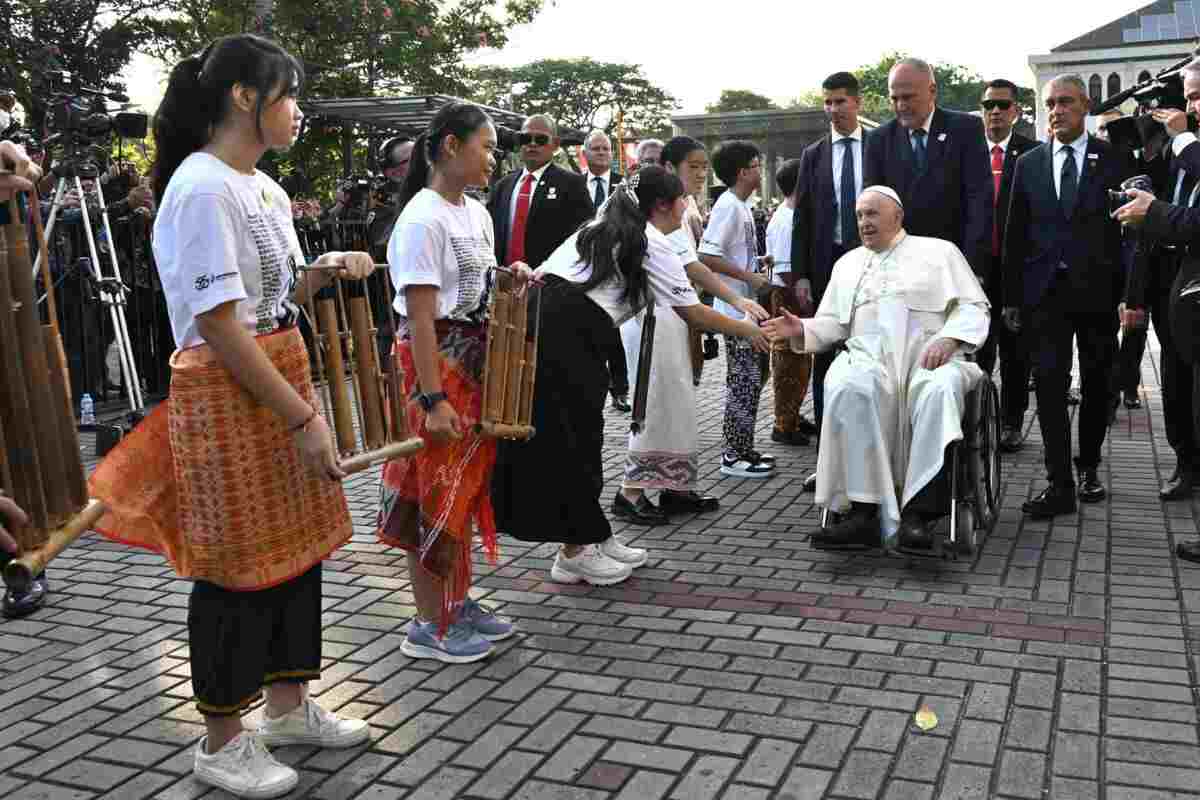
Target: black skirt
{"x": 548, "y": 489}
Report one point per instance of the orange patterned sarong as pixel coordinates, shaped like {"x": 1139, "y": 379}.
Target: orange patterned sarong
{"x": 212, "y": 480}
{"x": 433, "y": 500}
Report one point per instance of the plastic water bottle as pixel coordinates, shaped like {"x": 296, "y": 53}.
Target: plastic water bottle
{"x": 87, "y": 411}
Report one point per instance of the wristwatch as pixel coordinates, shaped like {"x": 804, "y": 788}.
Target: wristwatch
{"x": 430, "y": 401}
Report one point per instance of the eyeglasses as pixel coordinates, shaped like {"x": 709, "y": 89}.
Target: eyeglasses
{"x": 1003, "y": 105}
{"x": 539, "y": 139}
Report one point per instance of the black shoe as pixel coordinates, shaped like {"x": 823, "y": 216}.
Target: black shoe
{"x": 858, "y": 530}
{"x": 1178, "y": 486}
{"x": 914, "y": 534}
{"x": 641, "y": 513}
{"x": 794, "y": 438}
{"x": 1010, "y": 439}
{"x": 810, "y": 483}
{"x": 1072, "y": 397}
{"x": 621, "y": 403}
{"x": 1132, "y": 401}
{"x": 1189, "y": 551}
{"x": 1053, "y": 500}
{"x": 672, "y": 502}
{"x": 1091, "y": 490}
{"x": 807, "y": 426}
{"x": 24, "y": 604}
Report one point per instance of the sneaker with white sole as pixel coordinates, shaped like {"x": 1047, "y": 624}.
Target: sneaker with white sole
{"x": 310, "y": 724}
{"x": 743, "y": 468}
{"x": 618, "y": 551}
{"x": 485, "y": 622}
{"x": 244, "y": 768}
{"x": 461, "y": 644}
{"x": 591, "y": 565}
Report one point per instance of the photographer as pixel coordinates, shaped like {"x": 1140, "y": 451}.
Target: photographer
{"x": 1176, "y": 226}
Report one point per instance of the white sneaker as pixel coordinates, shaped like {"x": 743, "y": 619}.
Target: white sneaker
{"x": 245, "y": 768}
{"x": 617, "y": 550}
{"x": 310, "y": 724}
{"x": 590, "y": 565}
{"x": 741, "y": 468}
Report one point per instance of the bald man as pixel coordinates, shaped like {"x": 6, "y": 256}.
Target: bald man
{"x": 904, "y": 310}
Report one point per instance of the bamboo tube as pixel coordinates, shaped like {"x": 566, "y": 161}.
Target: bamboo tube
{"x": 74, "y": 480}
{"x": 388, "y": 452}
{"x": 514, "y": 361}
{"x": 396, "y": 402}
{"x": 15, "y": 411}
{"x": 20, "y": 571}
{"x": 365, "y": 356}
{"x": 494, "y": 367}
{"x": 335, "y": 376}
{"x": 51, "y": 304}
{"x": 496, "y": 430}
{"x": 6, "y": 480}
{"x": 528, "y": 374}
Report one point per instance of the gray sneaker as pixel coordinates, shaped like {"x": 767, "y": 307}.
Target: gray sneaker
{"x": 461, "y": 644}
{"x": 485, "y": 622}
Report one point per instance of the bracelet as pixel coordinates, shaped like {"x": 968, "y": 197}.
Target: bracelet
{"x": 303, "y": 426}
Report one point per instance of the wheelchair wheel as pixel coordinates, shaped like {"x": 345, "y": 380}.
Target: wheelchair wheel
{"x": 966, "y": 537}
{"x": 983, "y": 464}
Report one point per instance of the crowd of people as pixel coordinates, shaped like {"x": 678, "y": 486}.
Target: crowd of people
{"x": 905, "y": 262}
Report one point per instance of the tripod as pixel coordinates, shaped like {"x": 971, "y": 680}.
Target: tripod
{"x": 111, "y": 290}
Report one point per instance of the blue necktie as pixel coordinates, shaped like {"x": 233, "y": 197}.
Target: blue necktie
{"x": 918, "y": 138}
{"x": 598, "y": 198}
{"x": 846, "y": 198}
{"x": 1069, "y": 182}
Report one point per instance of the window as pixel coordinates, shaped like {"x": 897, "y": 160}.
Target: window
{"x": 1095, "y": 88}
{"x": 1114, "y": 84}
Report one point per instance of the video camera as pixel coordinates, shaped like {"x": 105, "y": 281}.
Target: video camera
{"x": 79, "y": 116}
{"x": 363, "y": 191}
{"x": 1141, "y": 131}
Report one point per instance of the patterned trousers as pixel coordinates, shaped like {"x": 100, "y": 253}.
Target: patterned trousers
{"x": 745, "y": 372}
{"x": 790, "y": 371}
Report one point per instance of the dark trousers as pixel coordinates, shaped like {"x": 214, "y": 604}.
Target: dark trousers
{"x": 617, "y": 367}
{"x": 821, "y": 364}
{"x": 1053, "y": 325}
{"x": 1180, "y": 380}
{"x": 1015, "y": 366}
{"x": 1128, "y": 376}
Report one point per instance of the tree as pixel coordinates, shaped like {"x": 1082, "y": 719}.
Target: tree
{"x": 740, "y": 100}
{"x": 579, "y": 93}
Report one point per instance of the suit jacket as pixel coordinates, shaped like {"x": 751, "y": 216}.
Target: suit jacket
{"x": 993, "y": 282}
{"x": 1039, "y": 236}
{"x": 815, "y": 213}
{"x": 1180, "y": 225}
{"x": 952, "y": 198}
{"x": 1156, "y": 272}
{"x": 559, "y": 205}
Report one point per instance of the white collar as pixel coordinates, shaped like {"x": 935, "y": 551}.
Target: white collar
{"x": 1079, "y": 144}
{"x": 593, "y": 176}
{"x": 836, "y": 137}
{"x": 927, "y": 125}
{"x": 537, "y": 173}
{"x": 1002, "y": 145}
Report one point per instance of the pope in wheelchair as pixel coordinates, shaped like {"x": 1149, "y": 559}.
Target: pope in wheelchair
{"x": 905, "y": 311}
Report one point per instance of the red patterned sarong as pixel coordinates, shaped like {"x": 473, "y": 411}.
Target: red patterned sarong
{"x": 433, "y": 500}
{"x": 212, "y": 479}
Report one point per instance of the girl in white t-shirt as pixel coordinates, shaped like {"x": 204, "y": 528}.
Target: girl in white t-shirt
{"x": 548, "y": 489}
{"x": 235, "y": 477}
{"x": 440, "y": 257}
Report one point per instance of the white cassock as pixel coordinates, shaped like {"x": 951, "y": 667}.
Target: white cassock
{"x": 887, "y": 419}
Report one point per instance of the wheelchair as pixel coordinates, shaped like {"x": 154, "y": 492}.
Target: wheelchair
{"x": 974, "y": 474}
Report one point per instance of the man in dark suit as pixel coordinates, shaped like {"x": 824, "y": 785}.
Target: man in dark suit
{"x": 1063, "y": 279}
{"x": 1151, "y": 289}
{"x": 1000, "y": 113}
{"x": 600, "y": 177}
{"x": 937, "y": 162}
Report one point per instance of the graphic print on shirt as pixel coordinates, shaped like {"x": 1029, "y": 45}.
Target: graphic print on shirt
{"x": 276, "y": 264}
{"x": 473, "y": 255}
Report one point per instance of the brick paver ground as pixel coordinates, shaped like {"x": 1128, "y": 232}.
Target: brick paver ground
{"x": 1061, "y": 661}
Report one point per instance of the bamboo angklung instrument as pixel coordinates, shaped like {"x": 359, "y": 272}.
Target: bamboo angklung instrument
{"x": 510, "y": 368}
{"x": 364, "y": 405}
{"x": 40, "y": 464}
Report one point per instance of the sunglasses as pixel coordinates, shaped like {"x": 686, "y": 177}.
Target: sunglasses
{"x": 539, "y": 139}
{"x": 1003, "y": 105}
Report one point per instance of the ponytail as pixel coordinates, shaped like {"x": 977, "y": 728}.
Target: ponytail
{"x": 417, "y": 177}
{"x": 197, "y": 96}
{"x": 459, "y": 119}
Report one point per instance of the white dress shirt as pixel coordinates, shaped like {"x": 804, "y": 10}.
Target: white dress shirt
{"x": 1078, "y": 149}
{"x": 1002, "y": 145}
{"x": 924, "y": 126}
{"x": 839, "y": 156}
{"x": 603, "y": 179}
{"x": 1178, "y": 143}
{"x": 512, "y": 203}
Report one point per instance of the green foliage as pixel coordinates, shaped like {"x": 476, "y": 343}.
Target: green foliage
{"x": 579, "y": 93}
{"x": 740, "y": 100}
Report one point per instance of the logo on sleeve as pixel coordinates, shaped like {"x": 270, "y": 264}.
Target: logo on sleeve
{"x": 202, "y": 282}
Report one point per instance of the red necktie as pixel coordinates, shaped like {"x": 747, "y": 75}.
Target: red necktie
{"x": 516, "y": 237}
{"x": 997, "y": 174}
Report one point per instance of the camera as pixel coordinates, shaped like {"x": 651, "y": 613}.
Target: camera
{"x": 508, "y": 140}
{"x": 1119, "y": 197}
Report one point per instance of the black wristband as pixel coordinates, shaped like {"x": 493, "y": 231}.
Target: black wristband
{"x": 429, "y": 401}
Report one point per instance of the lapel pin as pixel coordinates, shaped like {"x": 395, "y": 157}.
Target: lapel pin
{"x": 552, "y": 193}
{"x": 941, "y": 137}
{"x": 1093, "y": 156}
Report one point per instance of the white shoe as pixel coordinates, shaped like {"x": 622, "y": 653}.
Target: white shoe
{"x": 245, "y": 768}
{"x": 618, "y": 551}
{"x": 310, "y": 724}
{"x": 741, "y": 468}
{"x": 590, "y": 565}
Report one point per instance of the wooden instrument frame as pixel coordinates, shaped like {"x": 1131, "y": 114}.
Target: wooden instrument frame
{"x": 368, "y": 395}
{"x": 510, "y": 366}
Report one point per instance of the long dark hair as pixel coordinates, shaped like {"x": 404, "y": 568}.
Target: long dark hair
{"x": 460, "y": 119}
{"x": 616, "y": 244}
{"x": 197, "y": 96}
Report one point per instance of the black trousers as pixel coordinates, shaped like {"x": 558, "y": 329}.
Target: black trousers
{"x": 242, "y": 641}
{"x": 1128, "y": 374}
{"x": 1180, "y": 380}
{"x": 1015, "y": 366}
{"x": 821, "y": 364}
{"x": 1053, "y": 325}
{"x": 618, "y": 369}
